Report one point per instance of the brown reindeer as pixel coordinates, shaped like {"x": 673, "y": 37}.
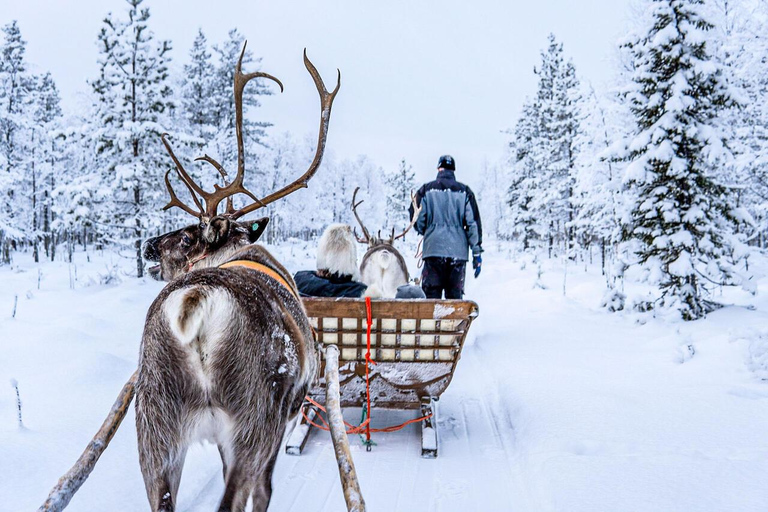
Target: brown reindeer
{"x": 227, "y": 353}
{"x": 383, "y": 268}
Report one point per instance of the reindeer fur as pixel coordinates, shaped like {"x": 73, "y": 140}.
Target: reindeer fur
{"x": 227, "y": 356}
{"x": 337, "y": 251}
{"x": 383, "y": 269}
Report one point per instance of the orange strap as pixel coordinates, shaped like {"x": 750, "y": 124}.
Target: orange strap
{"x": 263, "y": 269}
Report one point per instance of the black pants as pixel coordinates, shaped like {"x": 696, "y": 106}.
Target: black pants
{"x": 441, "y": 274}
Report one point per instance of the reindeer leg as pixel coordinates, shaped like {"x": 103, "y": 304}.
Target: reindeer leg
{"x": 163, "y": 486}
{"x": 223, "y": 461}
{"x": 239, "y": 481}
{"x": 263, "y": 493}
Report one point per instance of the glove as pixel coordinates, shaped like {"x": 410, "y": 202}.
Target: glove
{"x": 477, "y": 262}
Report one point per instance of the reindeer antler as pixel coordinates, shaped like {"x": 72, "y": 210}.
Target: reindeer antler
{"x": 416, "y": 210}
{"x": 326, "y": 102}
{"x": 355, "y": 204}
{"x": 210, "y": 200}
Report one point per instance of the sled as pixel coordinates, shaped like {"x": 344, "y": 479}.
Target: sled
{"x": 415, "y": 344}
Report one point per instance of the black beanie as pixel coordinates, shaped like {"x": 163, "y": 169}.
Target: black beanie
{"x": 446, "y": 162}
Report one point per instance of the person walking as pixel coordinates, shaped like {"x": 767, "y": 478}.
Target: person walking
{"x": 450, "y": 223}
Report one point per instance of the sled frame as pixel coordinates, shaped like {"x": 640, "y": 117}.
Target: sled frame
{"x": 416, "y": 344}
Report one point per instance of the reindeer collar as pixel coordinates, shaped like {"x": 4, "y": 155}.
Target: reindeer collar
{"x": 260, "y": 268}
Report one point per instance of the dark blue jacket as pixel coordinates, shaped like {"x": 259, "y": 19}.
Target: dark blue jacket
{"x": 449, "y": 218}
{"x": 312, "y": 285}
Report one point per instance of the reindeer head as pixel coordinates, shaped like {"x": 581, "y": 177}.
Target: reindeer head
{"x": 216, "y": 236}
{"x": 178, "y": 251}
{"x": 375, "y": 241}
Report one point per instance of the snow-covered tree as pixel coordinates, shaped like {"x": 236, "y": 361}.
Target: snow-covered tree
{"x": 526, "y": 161}
{"x": 222, "y": 104}
{"x": 41, "y": 173}
{"x": 682, "y": 218}
{"x": 739, "y": 45}
{"x": 14, "y": 120}
{"x": 597, "y": 181}
{"x": 197, "y": 91}
{"x": 544, "y": 147}
{"x": 492, "y": 199}
{"x": 134, "y": 104}
{"x": 400, "y": 183}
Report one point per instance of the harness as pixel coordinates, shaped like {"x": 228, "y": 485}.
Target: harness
{"x": 263, "y": 269}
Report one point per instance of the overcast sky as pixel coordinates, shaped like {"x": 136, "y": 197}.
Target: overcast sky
{"x": 419, "y": 78}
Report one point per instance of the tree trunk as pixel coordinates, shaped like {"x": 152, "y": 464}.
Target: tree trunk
{"x": 35, "y": 244}
{"x": 602, "y": 255}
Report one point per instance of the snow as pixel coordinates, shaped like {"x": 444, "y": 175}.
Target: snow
{"x": 556, "y": 404}
{"x": 442, "y": 311}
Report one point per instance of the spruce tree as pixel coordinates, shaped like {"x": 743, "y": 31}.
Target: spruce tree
{"x": 401, "y": 183}
{"x": 134, "y": 105}
{"x": 198, "y": 89}
{"x": 682, "y": 219}
{"x": 14, "y": 121}
{"x": 526, "y": 162}
{"x": 46, "y": 114}
{"x": 544, "y": 154}
{"x": 222, "y": 104}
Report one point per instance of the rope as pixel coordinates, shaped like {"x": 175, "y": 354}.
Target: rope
{"x": 419, "y": 253}
{"x": 351, "y": 429}
{"x": 368, "y": 362}
{"x": 364, "y": 428}
{"x": 191, "y": 263}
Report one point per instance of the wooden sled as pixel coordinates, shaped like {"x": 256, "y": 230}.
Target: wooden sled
{"x": 416, "y": 345}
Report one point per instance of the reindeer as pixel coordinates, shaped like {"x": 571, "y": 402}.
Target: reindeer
{"x": 383, "y": 268}
{"x": 227, "y": 352}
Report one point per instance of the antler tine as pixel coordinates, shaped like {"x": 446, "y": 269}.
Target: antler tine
{"x": 186, "y": 178}
{"x": 241, "y": 80}
{"x": 326, "y": 102}
{"x": 175, "y": 200}
{"x": 362, "y": 226}
{"x": 227, "y": 191}
{"x": 361, "y": 240}
{"x": 222, "y": 172}
{"x": 416, "y": 210}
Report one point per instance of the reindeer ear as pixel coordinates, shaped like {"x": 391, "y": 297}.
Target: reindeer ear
{"x": 216, "y": 231}
{"x": 256, "y": 228}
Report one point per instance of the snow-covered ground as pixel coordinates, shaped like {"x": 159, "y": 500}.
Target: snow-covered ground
{"x": 555, "y": 405}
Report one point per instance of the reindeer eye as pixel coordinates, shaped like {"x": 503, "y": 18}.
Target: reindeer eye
{"x": 186, "y": 240}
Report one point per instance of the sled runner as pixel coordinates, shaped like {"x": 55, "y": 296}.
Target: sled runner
{"x": 414, "y": 347}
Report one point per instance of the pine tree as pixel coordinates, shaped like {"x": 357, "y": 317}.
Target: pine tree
{"x": 739, "y": 47}
{"x": 222, "y": 104}
{"x": 14, "y": 99}
{"x": 526, "y": 159}
{"x": 597, "y": 181}
{"x": 134, "y": 106}
{"x": 557, "y": 99}
{"x": 198, "y": 89}
{"x": 401, "y": 183}
{"x": 43, "y": 159}
{"x": 681, "y": 218}
{"x": 544, "y": 154}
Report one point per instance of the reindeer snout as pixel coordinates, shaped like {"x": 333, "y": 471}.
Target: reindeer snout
{"x": 150, "y": 251}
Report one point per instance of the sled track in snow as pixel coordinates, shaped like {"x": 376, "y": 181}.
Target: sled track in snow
{"x": 477, "y": 467}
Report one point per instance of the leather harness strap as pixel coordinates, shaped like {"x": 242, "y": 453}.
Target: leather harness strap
{"x": 263, "y": 269}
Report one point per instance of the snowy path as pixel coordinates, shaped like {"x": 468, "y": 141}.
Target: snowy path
{"x": 555, "y": 405}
